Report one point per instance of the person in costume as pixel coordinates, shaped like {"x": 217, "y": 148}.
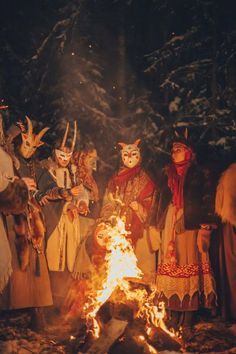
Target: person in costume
{"x": 185, "y": 218}
{"x": 64, "y": 239}
{"x": 130, "y": 194}
{"x": 88, "y": 198}
{"x": 30, "y": 283}
{"x": 13, "y": 201}
{"x": 225, "y": 207}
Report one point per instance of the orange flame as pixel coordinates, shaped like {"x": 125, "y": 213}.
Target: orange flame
{"x": 121, "y": 265}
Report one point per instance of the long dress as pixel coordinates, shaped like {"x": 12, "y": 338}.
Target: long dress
{"x": 189, "y": 283}
{"x": 184, "y": 276}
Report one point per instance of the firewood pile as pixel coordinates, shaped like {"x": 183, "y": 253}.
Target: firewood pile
{"x": 121, "y": 333}
{"x": 214, "y": 337}
{"x": 122, "y": 329}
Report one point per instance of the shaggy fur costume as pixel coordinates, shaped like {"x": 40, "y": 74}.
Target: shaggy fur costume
{"x": 14, "y": 198}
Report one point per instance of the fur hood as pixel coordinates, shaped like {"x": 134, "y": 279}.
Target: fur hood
{"x": 225, "y": 203}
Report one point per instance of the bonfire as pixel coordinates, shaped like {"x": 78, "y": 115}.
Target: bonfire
{"x": 119, "y": 304}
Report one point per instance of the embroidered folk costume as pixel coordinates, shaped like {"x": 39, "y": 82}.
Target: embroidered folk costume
{"x": 130, "y": 193}
{"x": 185, "y": 215}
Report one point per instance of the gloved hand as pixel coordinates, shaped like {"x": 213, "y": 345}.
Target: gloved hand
{"x": 203, "y": 240}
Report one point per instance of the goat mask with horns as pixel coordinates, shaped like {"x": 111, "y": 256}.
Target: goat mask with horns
{"x": 30, "y": 141}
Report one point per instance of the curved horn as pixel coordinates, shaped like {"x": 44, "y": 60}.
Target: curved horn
{"x": 74, "y": 137}
{"x": 30, "y": 126}
{"x": 41, "y": 134}
{"x": 65, "y": 136}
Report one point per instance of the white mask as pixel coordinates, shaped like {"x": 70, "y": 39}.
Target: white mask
{"x": 130, "y": 154}
{"x": 63, "y": 157}
{"x": 64, "y": 153}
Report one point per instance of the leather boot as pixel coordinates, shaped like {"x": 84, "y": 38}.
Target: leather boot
{"x": 187, "y": 325}
{"x": 173, "y": 318}
{"x": 38, "y": 321}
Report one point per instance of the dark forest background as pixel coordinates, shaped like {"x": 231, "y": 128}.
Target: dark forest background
{"x": 124, "y": 69}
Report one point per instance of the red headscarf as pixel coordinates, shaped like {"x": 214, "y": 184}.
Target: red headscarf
{"x": 176, "y": 175}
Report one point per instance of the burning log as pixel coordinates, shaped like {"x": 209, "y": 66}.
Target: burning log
{"x": 111, "y": 332}
{"x": 123, "y": 332}
{"x": 161, "y": 340}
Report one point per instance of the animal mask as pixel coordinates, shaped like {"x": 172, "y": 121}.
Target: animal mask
{"x": 30, "y": 141}
{"x": 64, "y": 153}
{"x": 63, "y": 156}
{"x": 130, "y": 154}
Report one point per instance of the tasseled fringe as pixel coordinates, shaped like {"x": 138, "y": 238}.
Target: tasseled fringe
{"x": 206, "y": 297}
